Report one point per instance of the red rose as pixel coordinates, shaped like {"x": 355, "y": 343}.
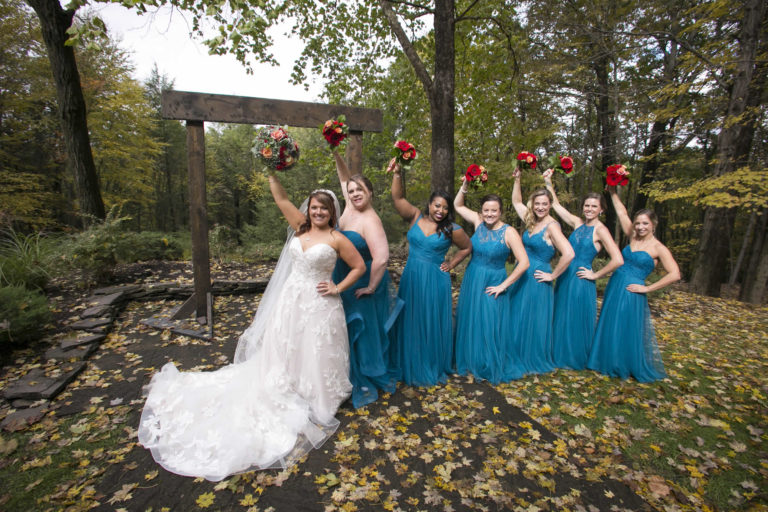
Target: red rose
{"x": 617, "y": 174}
{"x": 566, "y": 163}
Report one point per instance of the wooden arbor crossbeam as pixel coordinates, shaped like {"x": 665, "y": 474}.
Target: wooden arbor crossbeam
{"x": 196, "y": 109}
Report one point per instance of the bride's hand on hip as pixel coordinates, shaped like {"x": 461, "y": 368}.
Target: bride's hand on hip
{"x": 327, "y": 288}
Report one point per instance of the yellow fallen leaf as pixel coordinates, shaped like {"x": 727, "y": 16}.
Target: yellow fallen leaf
{"x": 205, "y": 500}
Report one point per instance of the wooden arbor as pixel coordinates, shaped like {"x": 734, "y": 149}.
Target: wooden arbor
{"x": 195, "y": 109}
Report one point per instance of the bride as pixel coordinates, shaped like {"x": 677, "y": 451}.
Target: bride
{"x": 279, "y": 398}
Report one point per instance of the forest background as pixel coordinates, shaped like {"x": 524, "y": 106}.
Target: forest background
{"x": 674, "y": 90}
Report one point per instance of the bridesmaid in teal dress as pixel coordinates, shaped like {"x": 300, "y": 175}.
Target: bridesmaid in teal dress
{"x": 575, "y": 290}
{"x": 423, "y": 350}
{"x": 370, "y": 306}
{"x": 625, "y": 341}
{"x": 480, "y": 341}
{"x": 533, "y": 296}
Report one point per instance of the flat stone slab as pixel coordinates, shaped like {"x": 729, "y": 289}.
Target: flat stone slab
{"x": 70, "y": 343}
{"x": 21, "y": 419}
{"x": 110, "y": 290}
{"x": 90, "y": 323}
{"x": 36, "y": 384}
{"x": 78, "y": 353}
{"x": 96, "y": 311}
{"x": 106, "y": 300}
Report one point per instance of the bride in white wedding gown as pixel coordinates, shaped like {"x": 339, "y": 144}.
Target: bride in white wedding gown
{"x": 279, "y": 398}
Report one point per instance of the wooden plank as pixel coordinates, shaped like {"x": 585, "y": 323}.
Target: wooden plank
{"x": 355, "y": 152}
{"x": 198, "y": 214}
{"x": 193, "y": 106}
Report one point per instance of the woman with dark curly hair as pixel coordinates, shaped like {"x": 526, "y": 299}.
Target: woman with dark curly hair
{"x": 423, "y": 347}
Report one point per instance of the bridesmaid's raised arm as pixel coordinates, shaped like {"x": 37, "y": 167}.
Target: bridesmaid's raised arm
{"x": 343, "y": 172}
{"x": 406, "y": 210}
{"x": 517, "y": 196}
{"x": 567, "y": 217}
{"x": 621, "y": 212}
{"x": 458, "y": 205}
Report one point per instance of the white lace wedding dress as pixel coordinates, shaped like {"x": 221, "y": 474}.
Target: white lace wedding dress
{"x": 274, "y": 406}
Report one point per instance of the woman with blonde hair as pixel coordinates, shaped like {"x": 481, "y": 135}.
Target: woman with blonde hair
{"x": 533, "y": 296}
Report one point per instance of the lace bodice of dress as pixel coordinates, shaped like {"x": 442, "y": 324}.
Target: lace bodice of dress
{"x": 315, "y": 264}
{"x": 540, "y": 253}
{"x": 583, "y": 246}
{"x": 489, "y": 247}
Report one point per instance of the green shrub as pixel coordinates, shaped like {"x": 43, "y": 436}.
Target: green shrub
{"x": 222, "y": 242}
{"x": 94, "y": 251}
{"x": 25, "y": 260}
{"x": 23, "y": 315}
{"x": 147, "y": 246}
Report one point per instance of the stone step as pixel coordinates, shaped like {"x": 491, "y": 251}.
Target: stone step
{"x": 36, "y": 384}
{"x": 90, "y": 323}
{"x": 69, "y": 343}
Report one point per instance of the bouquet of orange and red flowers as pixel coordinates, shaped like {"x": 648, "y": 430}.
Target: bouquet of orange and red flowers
{"x": 526, "y": 160}
{"x": 335, "y": 131}
{"x": 275, "y": 147}
{"x": 617, "y": 174}
{"x": 563, "y": 164}
{"x": 404, "y": 154}
{"x": 476, "y": 176}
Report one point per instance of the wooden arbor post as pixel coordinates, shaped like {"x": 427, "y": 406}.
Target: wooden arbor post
{"x": 197, "y": 108}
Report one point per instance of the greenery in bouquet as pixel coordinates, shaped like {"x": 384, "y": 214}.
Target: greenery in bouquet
{"x": 276, "y": 148}
{"x": 563, "y": 164}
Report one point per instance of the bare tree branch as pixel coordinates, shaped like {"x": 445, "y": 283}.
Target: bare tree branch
{"x": 410, "y": 51}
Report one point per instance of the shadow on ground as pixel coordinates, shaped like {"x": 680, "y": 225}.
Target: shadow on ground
{"x": 458, "y": 446}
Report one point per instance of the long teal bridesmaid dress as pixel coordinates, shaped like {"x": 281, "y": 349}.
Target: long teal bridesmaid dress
{"x": 575, "y": 305}
{"x": 423, "y": 349}
{"x": 625, "y": 341}
{"x": 532, "y": 305}
{"x": 480, "y": 346}
{"x": 369, "y": 320}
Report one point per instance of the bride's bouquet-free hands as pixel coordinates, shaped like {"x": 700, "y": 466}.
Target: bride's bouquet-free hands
{"x": 276, "y": 149}
{"x": 335, "y": 132}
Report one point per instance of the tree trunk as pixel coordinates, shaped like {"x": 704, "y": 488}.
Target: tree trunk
{"x": 750, "y": 286}
{"x": 54, "y": 22}
{"x": 743, "y": 251}
{"x": 606, "y": 114}
{"x": 440, "y": 91}
{"x": 733, "y": 144}
{"x": 443, "y": 99}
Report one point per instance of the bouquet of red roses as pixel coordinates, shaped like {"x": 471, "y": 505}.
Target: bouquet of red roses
{"x": 563, "y": 164}
{"x": 617, "y": 174}
{"x": 476, "y": 176}
{"x": 526, "y": 160}
{"x": 335, "y": 131}
{"x": 275, "y": 147}
{"x": 404, "y": 153}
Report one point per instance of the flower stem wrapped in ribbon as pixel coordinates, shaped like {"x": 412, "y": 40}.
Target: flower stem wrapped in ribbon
{"x": 563, "y": 164}
{"x": 336, "y": 131}
{"x": 526, "y": 160}
{"x": 617, "y": 174}
{"x": 476, "y": 176}
{"x": 404, "y": 154}
{"x": 275, "y": 147}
